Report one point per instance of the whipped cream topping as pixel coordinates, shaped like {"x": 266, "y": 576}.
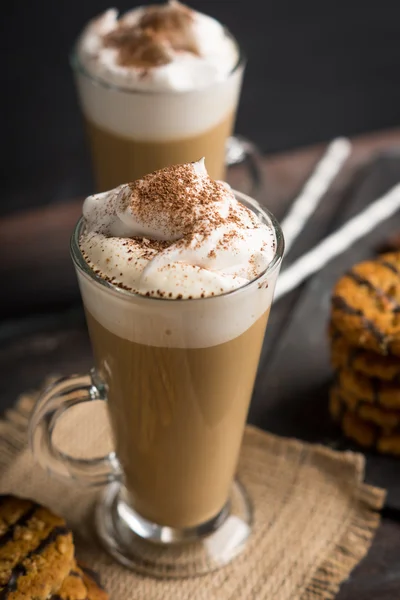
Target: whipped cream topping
{"x": 175, "y": 234}
{"x": 159, "y": 47}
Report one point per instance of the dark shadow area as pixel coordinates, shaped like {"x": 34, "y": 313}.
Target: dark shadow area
{"x": 315, "y": 70}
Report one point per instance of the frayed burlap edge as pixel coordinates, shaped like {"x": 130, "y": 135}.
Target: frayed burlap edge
{"x": 350, "y": 549}
{"x": 324, "y": 583}
{"x": 13, "y": 428}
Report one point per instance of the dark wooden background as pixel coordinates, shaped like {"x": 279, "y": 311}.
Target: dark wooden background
{"x": 315, "y": 70}
{"x": 45, "y": 330}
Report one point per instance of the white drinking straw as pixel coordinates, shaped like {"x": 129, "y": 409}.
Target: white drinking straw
{"x": 314, "y": 189}
{"x": 338, "y": 242}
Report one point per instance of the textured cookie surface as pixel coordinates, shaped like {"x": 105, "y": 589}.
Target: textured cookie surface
{"x": 369, "y": 389}
{"x": 36, "y": 550}
{"x": 386, "y": 419}
{"x": 364, "y": 433}
{"x": 73, "y": 587}
{"x": 366, "y": 305}
{"x": 80, "y": 585}
{"x": 371, "y": 364}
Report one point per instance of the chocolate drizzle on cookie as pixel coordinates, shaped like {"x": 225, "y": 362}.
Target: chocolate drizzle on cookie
{"x": 74, "y": 574}
{"x": 340, "y": 304}
{"x": 17, "y": 572}
{"x": 385, "y": 298}
{"x": 345, "y": 355}
{"x": 363, "y": 423}
{"x": 49, "y": 539}
{"x": 65, "y": 589}
{"x": 365, "y": 396}
{"x": 20, "y": 569}
{"x": 23, "y": 520}
{"x": 390, "y": 266}
{"x": 366, "y": 305}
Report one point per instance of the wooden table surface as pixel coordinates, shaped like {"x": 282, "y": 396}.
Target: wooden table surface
{"x": 44, "y": 331}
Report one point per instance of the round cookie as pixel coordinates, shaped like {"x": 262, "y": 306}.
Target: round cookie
{"x": 371, "y": 364}
{"x": 389, "y": 444}
{"x": 368, "y": 389}
{"x": 36, "y": 550}
{"x": 355, "y": 429}
{"x": 366, "y": 305}
{"x": 80, "y": 585}
{"x": 365, "y": 434}
{"x": 387, "y": 420}
{"x": 73, "y": 587}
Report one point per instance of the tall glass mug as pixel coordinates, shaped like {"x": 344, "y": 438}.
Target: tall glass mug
{"x": 177, "y": 376}
{"x": 132, "y": 132}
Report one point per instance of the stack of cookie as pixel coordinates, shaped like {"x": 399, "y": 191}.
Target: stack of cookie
{"x": 37, "y": 556}
{"x": 365, "y": 352}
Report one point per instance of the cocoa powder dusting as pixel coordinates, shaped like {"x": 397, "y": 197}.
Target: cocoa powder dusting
{"x": 183, "y": 206}
{"x": 173, "y": 22}
{"x": 150, "y": 42}
{"x": 176, "y": 198}
{"x": 137, "y": 47}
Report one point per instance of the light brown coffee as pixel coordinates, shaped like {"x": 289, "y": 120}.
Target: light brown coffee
{"x": 118, "y": 160}
{"x": 178, "y": 417}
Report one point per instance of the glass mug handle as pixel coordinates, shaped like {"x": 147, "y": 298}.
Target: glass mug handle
{"x": 55, "y": 401}
{"x": 240, "y": 150}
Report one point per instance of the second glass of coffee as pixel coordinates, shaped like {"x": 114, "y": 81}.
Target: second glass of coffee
{"x": 158, "y": 86}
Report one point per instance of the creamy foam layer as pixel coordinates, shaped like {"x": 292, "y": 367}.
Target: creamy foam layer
{"x": 175, "y": 234}
{"x": 191, "y": 324}
{"x": 159, "y": 83}
{"x": 203, "y": 242}
{"x": 157, "y": 48}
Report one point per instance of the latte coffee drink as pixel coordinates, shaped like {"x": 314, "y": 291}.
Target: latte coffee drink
{"x": 177, "y": 273}
{"x": 158, "y": 86}
{"x": 178, "y": 417}
{"x": 177, "y": 288}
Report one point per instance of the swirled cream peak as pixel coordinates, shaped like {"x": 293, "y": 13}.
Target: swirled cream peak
{"x": 159, "y": 47}
{"x": 175, "y": 234}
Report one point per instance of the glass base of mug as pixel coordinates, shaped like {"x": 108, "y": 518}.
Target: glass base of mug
{"x": 168, "y": 552}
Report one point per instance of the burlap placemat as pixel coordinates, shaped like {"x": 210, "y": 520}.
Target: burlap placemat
{"x": 314, "y": 518}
